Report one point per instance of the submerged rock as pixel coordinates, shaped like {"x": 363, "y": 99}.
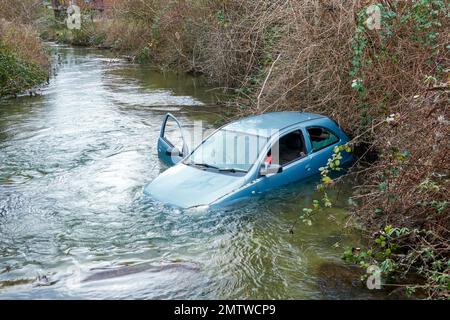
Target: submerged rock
{"x": 339, "y": 281}
{"x": 15, "y": 282}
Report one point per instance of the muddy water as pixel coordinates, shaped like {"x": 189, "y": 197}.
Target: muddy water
{"x": 74, "y": 222}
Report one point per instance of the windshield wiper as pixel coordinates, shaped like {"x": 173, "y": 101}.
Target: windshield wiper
{"x": 205, "y": 165}
{"x": 209, "y": 166}
{"x": 233, "y": 170}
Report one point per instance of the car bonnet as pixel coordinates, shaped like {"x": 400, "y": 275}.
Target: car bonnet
{"x": 186, "y": 186}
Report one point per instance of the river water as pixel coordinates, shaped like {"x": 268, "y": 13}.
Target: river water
{"x": 74, "y": 222}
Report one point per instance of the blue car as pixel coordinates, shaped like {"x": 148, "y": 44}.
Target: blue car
{"x": 244, "y": 159}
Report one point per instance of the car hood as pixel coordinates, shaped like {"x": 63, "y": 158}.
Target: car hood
{"x": 185, "y": 186}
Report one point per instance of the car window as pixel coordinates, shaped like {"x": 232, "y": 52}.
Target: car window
{"x": 321, "y": 138}
{"x": 173, "y": 134}
{"x": 287, "y": 149}
{"x": 227, "y": 149}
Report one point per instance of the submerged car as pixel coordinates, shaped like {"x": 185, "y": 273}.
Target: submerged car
{"x": 244, "y": 158}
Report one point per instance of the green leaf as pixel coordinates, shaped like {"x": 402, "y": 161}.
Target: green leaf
{"x": 327, "y": 180}
{"x": 316, "y": 204}
{"x": 382, "y": 186}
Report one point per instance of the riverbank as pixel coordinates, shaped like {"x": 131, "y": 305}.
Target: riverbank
{"x": 24, "y": 62}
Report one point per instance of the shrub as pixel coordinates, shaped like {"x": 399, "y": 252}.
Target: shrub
{"x": 23, "y": 60}
{"x": 16, "y": 74}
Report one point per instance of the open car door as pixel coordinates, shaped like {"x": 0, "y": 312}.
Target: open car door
{"x": 172, "y": 145}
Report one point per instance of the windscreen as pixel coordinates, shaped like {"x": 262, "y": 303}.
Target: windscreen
{"x": 227, "y": 149}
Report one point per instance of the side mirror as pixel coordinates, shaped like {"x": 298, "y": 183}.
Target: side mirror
{"x": 271, "y": 169}
{"x": 174, "y": 151}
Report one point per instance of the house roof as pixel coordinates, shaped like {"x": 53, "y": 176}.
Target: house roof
{"x": 268, "y": 123}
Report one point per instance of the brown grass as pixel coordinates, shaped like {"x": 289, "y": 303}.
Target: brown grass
{"x": 22, "y": 11}
{"x": 23, "y": 41}
{"x": 17, "y": 32}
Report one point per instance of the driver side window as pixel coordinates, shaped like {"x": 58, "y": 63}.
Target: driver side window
{"x": 287, "y": 149}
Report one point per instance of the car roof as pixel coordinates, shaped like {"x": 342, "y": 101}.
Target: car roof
{"x": 267, "y": 124}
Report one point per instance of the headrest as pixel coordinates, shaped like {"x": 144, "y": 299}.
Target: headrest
{"x": 293, "y": 140}
{"x": 318, "y": 134}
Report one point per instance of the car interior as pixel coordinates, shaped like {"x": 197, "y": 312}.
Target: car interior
{"x": 291, "y": 147}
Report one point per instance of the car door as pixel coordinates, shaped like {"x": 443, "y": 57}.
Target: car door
{"x": 172, "y": 145}
{"x": 296, "y": 170}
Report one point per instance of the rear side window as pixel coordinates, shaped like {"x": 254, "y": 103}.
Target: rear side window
{"x": 321, "y": 138}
